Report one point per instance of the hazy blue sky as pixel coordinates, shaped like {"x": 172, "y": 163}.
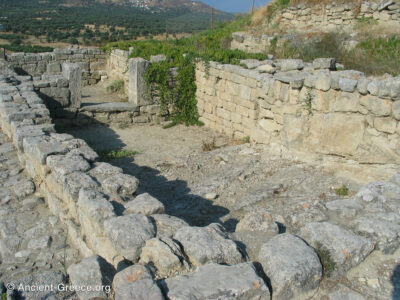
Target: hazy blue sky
{"x": 234, "y": 5}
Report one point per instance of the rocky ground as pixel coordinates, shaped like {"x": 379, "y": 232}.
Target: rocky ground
{"x": 255, "y": 196}
{"x": 33, "y": 245}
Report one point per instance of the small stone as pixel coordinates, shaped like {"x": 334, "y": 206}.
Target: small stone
{"x": 267, "y": 69}
{"x": 324, "y": 63}
{"x": 24, "y": 188}
{"x": 258, "y": 221}
{"x": 23, "y": 254}
{"x": 122, "y": 184}
{"x": 211, "y": 196}
{"x": 40, "y": 243}
{"x": 167, "y": 225}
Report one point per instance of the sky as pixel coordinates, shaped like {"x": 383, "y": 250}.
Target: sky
{"x": 234, "y": 6}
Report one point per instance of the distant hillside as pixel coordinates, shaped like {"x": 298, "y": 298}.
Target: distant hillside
{"x": 152, "y": 5}
{"x": 93, "y": 22}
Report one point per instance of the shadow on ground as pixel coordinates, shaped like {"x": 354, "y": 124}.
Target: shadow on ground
{"x": 395, "y": 279}
{"x": 174, "y": 194}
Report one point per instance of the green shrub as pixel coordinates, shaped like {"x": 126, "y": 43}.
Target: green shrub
{"x": 117, "y": 86}
{"x": 342, "y": 191}
{"x": 107, "y": 155}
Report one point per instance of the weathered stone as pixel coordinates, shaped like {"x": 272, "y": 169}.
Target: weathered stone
{"x": 167, "y": 225}
{"x": 40, "y": 243}
{"x": 74, "y": 182}
{"x": 292, "y": 266}
{"x": 111, "y": 107}
{"x": 208, "y": 244}
{"x": 40, "y": 148}
{"x": 396, "y": 110}
{"x": 73, "y": 73}
{"x": 137, "y": 90}
{"x": 373, "y": 87}
{"x": 345, "y": 207}
{"x": 95, "y": 205}
{"x": 95, "y": 274}
{"x": 122, "y": 184}
{"x": 129, "y": 234}
{"x": 145, "y": 204}
{"x": 157, "y": 58}
{"x": 345, "y": 248}
{"x": 347, "y": 84}
{"x": 294, "y": 78}
{"x": 290, "y": 64}
{"x": 362, "y": 85}
{"x": 387, "y": 125}
{"x": 139, "y": 290}
{"x": 343, "y": 293}
{"x": 267, "y": 69}
{"x": 24, "y": 188}
{"x": 102, "y": 171}
{"x": 322, "y": 81}
{"x": 377, "y": 106}
{"x": 165, "y": 255}
{"x": 396, "y": 179}
{"x": 250, "y": 63}
{"x": 130, "y": 275}
{"x": 384, "y": 233}
{"x": 258, "y": 221}
{"x": 62, "y": 165}
{"x": 211, "y": 282}
{"x": 324, "y": 63}
{"x": 47, "y": 278}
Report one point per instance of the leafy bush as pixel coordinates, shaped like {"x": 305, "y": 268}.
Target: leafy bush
{"x": 108, "y": 155}
{"x": 26, "y": 48}
{"x": 178, "y": 102}
{"x": 116, "y": 86}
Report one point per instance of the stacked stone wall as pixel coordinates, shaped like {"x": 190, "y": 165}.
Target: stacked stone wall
{"x": 91, "y": 60}
{"x": 340, "y": 114}
{"x": 322, "y": 18}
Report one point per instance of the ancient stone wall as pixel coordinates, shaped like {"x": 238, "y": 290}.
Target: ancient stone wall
{"x": 91, "y": 60}
{"x": 117, "y": 66}
{"x": 304, "y": 108}
{"x": 322, "y": 18}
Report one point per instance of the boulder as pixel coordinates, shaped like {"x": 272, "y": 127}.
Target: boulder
{"x": 324, "y": 63}
{"x": 121, "y": 184}
{"x": 339, "y": 248}
{"x": 145, "y": 204}
{"x": 208, "y": 244}
{"x": 129, "y": 234}
{"x": 140, "y": 290}
{"x": 167, "y": 225}
{"x": 220, "y": 282}
{"x": 293, "y": 267}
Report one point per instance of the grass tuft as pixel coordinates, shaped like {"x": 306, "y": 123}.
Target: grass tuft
{"x": 342, "y": 191}
{"x": 117, "y": 86}
{"x": 108, "y": 155}
{"x": 328, "y": 264}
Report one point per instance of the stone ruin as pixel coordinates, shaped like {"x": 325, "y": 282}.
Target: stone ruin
{"x": 128, "y": 241}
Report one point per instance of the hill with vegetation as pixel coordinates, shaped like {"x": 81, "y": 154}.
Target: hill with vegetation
{"x": 93, "y": 23}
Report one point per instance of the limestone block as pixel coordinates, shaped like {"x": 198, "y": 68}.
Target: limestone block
{"x": 345, "y": 102}
{"x": 137, "y": 89}
{"x": 324, "y": 63}
{"x": 387, "y": 125}
{"x": 144, "y": 204}
{"x": 210, "y": 282}
{"x": 92, "y": 272}
{"x": 338, "y": 134}
{"x": 345, "y": 248}
{"x": 378, "y": 107}
{"x": 396, "y": 110}
{"x": 73, "y": 73}
{"x": 167, "y": 225}
{"x": 323, "y": 81}
{"x": 129, "y": 233}
{"x": 269, "y": 125}
{"x": 208, "y": 244}
{"x": 292, "y": 266}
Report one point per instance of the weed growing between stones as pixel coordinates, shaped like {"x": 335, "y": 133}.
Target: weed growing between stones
{"x": 209, "y": 146}
{"x": 3, "y": 296}
{"x": 124, "y": 125}
{"x": 115, "y": 154}
{"x": 328, "y": 265}
{"x": 308, "y": 102}
{"x": 342, "y": 191}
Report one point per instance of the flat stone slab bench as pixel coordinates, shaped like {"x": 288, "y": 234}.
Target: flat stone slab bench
{"x": 109, "y": 107}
